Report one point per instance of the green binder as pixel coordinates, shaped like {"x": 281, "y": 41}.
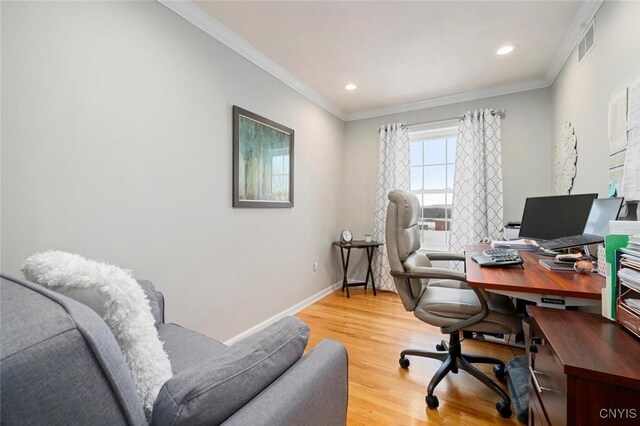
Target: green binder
{"x": 611, "y": 245}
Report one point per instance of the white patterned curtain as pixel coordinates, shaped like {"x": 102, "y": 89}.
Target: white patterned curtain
{"x": 477, "y": 187}
{"x": 393, "y": 173}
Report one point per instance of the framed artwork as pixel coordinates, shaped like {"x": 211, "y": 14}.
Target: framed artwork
{"x": 262, "y": 161}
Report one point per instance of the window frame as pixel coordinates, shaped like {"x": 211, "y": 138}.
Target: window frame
{"x": 423, "y": 133}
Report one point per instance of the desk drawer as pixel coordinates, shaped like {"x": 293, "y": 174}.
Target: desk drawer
{"x": 537, "y": 417}
{"x": 547, "y": 380}
{"x": 629, "y": 319}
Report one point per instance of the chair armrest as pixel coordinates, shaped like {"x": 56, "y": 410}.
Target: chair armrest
{"x": 443, "y": 255}
{"x": 156, "y": 300}
{"x": 313, "y": 392}
{"x": 428, "y": 272}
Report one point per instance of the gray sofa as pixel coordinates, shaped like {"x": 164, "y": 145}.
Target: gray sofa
{"x": 60, "y": 364}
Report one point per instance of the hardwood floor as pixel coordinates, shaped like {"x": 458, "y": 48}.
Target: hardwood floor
{"x": 375, "y": 330}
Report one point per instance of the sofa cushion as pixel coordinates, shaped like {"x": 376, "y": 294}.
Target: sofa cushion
{"x": 119, "y": 300}
{"x": 186, "y": 347}
{"x": 210, "y": 392}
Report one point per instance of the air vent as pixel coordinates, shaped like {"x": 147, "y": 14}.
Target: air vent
{"x": 587, "y": 42}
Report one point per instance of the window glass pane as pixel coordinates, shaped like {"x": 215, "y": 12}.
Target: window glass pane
{"x": 285, "y": 164}
{"x": 433, "y": 200}
{"x": 434, "y": 177}
{"x": 416, "y": 178}
{"x": 450, "y": 175}
{"x": 451, "y": 149}
{"x": 450, "y": 204}
{"x": 416, "y": 153}
{"x": 434, "y": 151}
{"x": 434, "y": 239}
{"x": 435, "y": 223}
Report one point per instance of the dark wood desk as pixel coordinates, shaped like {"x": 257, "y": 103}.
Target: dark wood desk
{"x": 357, "y": 244}
{"x": 534, "y": 282}
{"x": 583, "y": 370}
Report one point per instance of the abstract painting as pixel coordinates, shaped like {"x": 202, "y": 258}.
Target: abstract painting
{"x": 262, "y": 161}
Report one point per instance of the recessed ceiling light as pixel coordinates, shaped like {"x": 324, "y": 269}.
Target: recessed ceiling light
{"x": 506, "y": 49}
{"x": 350, "y": 86}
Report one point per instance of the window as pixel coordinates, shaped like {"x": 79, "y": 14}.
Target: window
{"x": 433, "y": 154}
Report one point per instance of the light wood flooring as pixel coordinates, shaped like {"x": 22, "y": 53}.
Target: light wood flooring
{"x": 375, "y": 330}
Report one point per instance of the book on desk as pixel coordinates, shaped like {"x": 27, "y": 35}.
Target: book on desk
{"x": 554, "y": 265}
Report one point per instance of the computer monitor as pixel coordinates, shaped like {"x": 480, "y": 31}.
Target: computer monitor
{"x": 602, "y": 211}
{"x": 546, "y": 218}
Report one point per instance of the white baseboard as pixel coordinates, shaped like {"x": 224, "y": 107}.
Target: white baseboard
{"x": 287, "y": 312}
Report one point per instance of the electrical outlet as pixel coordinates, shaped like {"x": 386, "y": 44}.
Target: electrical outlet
{"x": 315, "y": 268}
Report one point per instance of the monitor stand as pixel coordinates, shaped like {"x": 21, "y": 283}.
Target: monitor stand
{"x": 588, "y": 253}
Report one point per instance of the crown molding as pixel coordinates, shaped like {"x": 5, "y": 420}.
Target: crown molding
{"x": 571, "y": 39}
{"x": 198, "y": 17}
{"x": 520, "y": 86}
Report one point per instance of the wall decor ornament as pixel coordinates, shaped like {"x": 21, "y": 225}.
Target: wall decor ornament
{"x": 262, "y": 161}
{"x": 566, "y": 157}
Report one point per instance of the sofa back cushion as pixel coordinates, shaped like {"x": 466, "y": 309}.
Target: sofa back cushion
{"x": 60, "y": 363}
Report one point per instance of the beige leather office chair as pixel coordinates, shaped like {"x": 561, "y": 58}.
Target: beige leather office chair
{"x": 441, "y": 297}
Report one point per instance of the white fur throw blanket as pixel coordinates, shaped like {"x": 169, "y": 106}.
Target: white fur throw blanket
{"x": 119, "y": 300}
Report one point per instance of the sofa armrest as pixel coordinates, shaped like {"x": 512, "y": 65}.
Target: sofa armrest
{"x": 213, "y": 390}
{"x": 156, "y": 300}
{"x": 312, "y": 392}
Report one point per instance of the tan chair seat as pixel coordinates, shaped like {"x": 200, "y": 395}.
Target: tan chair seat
{"x": 445, "y": 306}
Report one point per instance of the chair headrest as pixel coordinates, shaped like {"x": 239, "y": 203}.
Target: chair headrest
{"x": 408, "y": 207}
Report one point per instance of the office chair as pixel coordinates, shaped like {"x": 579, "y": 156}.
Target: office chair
{"x": 440, "y": 297}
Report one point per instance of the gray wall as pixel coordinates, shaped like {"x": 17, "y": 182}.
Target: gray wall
{"x": 116, "y": 144}
{"x": 581, "y": 93}
{"x": 525, "y": 151}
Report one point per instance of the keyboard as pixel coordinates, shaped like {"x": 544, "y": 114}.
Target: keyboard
{"x": 571, "y": 241}
{"x": 497, "y": 257}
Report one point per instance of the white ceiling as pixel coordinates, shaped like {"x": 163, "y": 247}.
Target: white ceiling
{"x": 403, "y": 52}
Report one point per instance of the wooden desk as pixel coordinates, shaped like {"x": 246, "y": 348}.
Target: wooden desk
{"x": 534, "y": 282}
{"x": 584, "y": 370}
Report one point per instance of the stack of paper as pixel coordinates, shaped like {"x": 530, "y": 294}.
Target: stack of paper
{"x": 523, "y": 244}
{"x": 634, "y": 242}
{"x": 631, "y": 177}
{"x": 634, "y": 303}
{"x": 630, "y": 276}
{"x": 624, "y": 227}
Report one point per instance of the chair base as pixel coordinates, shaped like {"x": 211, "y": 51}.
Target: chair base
{"x": 454, "y": 360}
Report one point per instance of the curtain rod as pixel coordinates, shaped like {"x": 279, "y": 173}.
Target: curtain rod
{"x": 460, "y": 117}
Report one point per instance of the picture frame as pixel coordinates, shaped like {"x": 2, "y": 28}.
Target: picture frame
{"x": 263, "y": 158}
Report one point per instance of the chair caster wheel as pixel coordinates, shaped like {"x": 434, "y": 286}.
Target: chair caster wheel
{"x": 439, "y": 347}
{"x": 503, "y": 409}
{"x": 498, "y": 370}
{"x": 404, "y": 362}
{"x": 432, "y": 401}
